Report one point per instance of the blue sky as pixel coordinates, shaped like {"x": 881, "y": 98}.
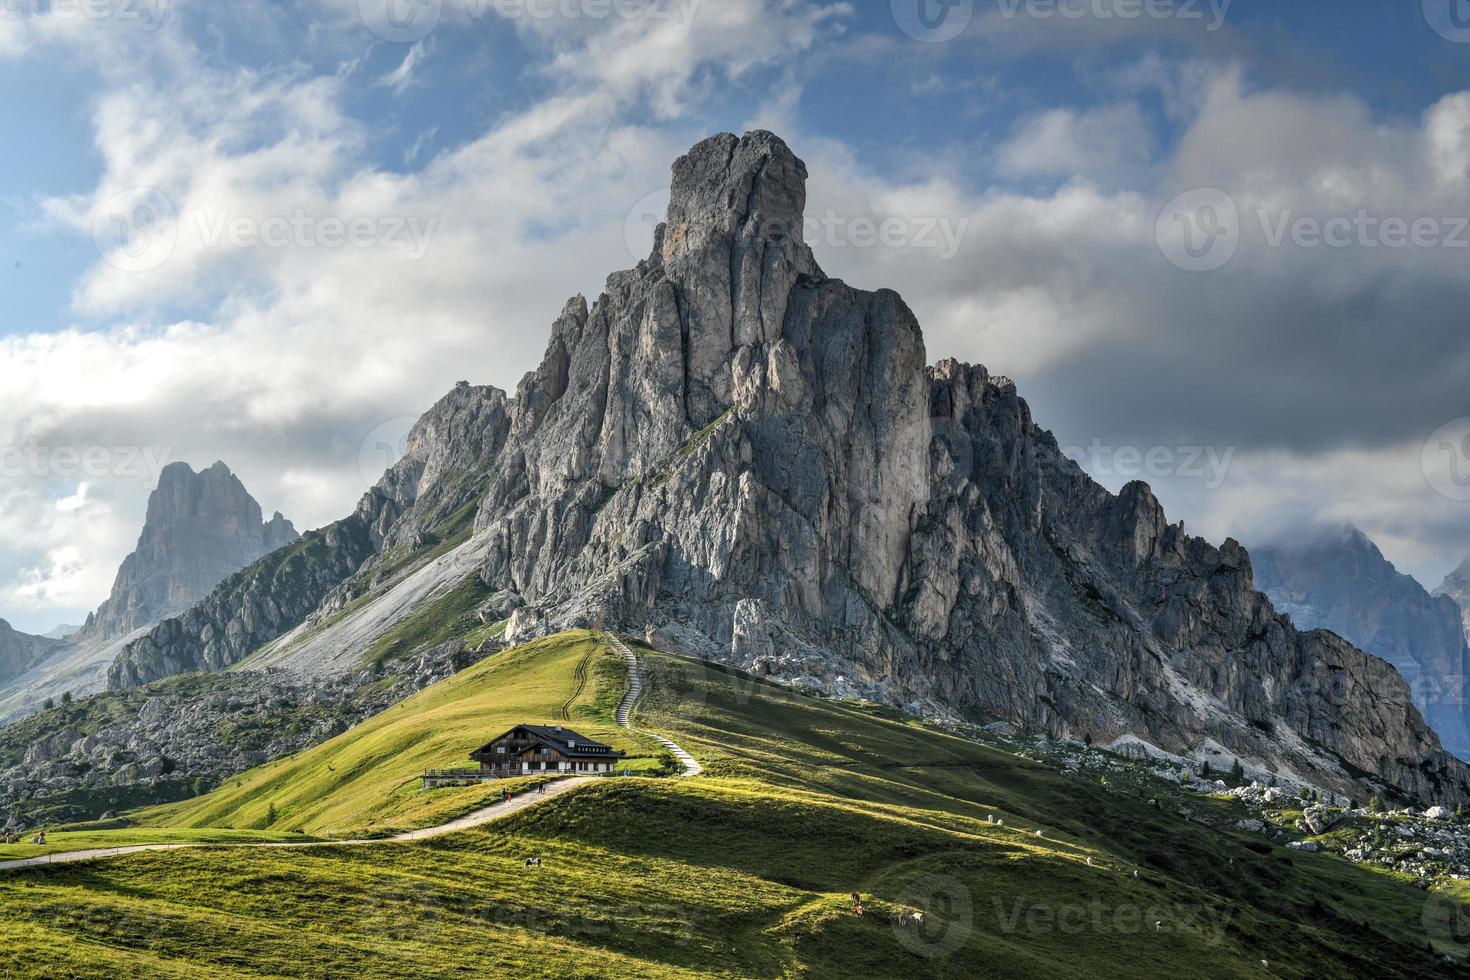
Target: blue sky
{"x": 523, "y": 147}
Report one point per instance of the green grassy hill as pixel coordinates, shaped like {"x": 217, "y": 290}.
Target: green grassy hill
{"x": 743, "y": 872}
{"x": 366, "y": 781}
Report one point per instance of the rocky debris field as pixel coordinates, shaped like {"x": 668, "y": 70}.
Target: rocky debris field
{"x": 183, "y": 736}
{"x": 1430, "y": 846}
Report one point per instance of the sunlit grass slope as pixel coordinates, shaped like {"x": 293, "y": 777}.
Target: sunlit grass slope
{"x": 744, "y": 872}
{"x": 366, "y": 780}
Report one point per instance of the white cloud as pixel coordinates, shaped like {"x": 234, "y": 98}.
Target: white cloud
{"x": 400, "y": 78}
{"x": 1108, "y": 144}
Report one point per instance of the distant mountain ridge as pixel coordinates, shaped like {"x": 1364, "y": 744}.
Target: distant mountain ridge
{"x": 200, "y": 528}
{"x": 1337, "y": 579}
{"x": 19, "y": 652}
{"x": 756, "y": 461}
{"x": 1456, "y": 587}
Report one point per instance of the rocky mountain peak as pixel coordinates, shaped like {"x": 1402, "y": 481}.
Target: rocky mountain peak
{"x": 200, "y": 528}
{"x": 746, "y": 185}
{"x": 1335, "y": 577}
{"x": 757, "y": 462}
{"x": 1456, "y": 588}
{"x": 20, "y": 651}
{"x": 731, "y": 251}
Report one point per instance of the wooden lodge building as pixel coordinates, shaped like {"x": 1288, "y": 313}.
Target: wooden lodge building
{"x": 529, "y": 750}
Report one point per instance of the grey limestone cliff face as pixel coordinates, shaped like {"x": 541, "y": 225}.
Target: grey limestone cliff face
{"x": 1337, "y": 579}
{"x": 758, "y": 462}
{"x": 754, "y": 459}
{"x": 1456, "y": 587}
{"x": 201, "y": 528}
{"x": 19, "y": 652}
{"x": 425, "y": 496}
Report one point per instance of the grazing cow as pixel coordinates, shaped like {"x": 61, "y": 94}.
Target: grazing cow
{"x": 534, "y": 862}
{"x": 1158, "y": 926}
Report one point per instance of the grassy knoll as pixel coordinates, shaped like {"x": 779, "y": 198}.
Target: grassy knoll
{"x": 365, "y": 781}
{"x": 744, "y": 872}
{"x": 83, "y": 837}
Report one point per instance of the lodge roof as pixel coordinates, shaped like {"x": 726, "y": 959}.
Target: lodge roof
{"x": 564, "y": 740}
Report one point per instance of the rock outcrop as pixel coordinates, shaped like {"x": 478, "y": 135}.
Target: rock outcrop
{"x": 19, "y": 652}
{"x": 1456, "y": 587}
{"x": 247, "y": 610}
{"x": 201, "y": 528}
{"x": 422, "y": 503}
{"x": 1337, "y": 579}
{"x": 754, "y": 459}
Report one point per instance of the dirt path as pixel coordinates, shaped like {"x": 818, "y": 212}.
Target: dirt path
{"x": 489, "y": 814}
{"x": 630, "y": 701}
{"x": 479, "y": 818}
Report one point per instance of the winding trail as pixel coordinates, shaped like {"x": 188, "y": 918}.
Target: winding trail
{"x": 480, "y": 817}
{"x": 581, "y": 677}
{"x": 490, "y": 814}
{"x": 636, "y": 683}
